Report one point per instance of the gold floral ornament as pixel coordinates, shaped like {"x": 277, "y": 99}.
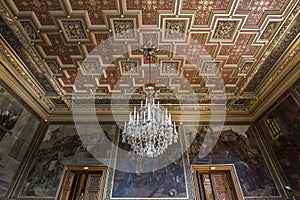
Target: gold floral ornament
{"x": 205, "y": 5}
{"x": 150, "y": 5}
{"x": 225, "y": 29}
{"x": 124, "y": 29}
{"x": 175, "y": 29}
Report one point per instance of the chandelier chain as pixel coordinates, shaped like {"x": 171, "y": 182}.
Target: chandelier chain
{"x": 149, "y": 130}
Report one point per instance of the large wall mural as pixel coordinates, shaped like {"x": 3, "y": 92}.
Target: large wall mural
{"x": 282, "y": 122}
{"x": 61, "y": 146}
{"x": 236, "y": 145}
{"x": 18, "y": 126}
{"x": 168, "y": 182}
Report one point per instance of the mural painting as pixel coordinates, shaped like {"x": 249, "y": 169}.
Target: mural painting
{"x": 17, "y": 128}
{"x": 61, "y": 146}
{"x": 236, "y": 145}
{"x": 287, "y": 143}
{"x": 168, "y": 182}
{"x": 288, "y": 114}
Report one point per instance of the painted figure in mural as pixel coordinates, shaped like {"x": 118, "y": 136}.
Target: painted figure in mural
{"x": 245, "y": 180}
{"x": 260, "y": 171}
{"x": 8, "y": 120}
{"x": 59, "y": 148}
{"x": 3, "y": 119}
{"x": 53, "y": 166}
{"x": 242, "y": 150}
{"x": 165, "y": 182}
{"x": 286, "y": 144}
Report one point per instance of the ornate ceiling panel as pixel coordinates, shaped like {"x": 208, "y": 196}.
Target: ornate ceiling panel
{"x": 240, "y": 42}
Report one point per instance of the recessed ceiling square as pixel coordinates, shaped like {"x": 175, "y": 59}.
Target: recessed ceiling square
{"x": 175, "y": 29}
{"x": 74, "y": 29}
{"x": 128, "y": 67}
{"x": 225, "y": 30}
{"x": 171, "y": 68}
{"x": 124, "y": 29}
{"x": 90, "y": 68}
{"x": 209, "y": 68}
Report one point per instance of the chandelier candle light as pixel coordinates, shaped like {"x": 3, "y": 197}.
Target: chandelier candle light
{"x": 149, "y": 130}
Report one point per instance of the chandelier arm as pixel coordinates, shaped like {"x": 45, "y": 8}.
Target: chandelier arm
{"x": 149, "y": 68}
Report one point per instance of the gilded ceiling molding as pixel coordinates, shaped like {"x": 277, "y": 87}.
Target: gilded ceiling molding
{"x": 266, "y": 35}
{"x": 279, "y": 70}
{"x": 37, "y": 90}
{"x": 10, "y": 22}
{"x": 19, "y": 89}
{"x": 183, "y": 113}
{"x": 29, "y": 29}
{"x": 272, "y": 45}
{"x": 188, "y": 108}
{"x": 289, "y": 79}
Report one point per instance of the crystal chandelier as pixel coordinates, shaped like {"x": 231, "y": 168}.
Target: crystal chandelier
{"x": 149, "y": 130}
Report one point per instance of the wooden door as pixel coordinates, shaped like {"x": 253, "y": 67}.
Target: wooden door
{"x": 93, "y": 186}
{"x": 66, "y": 185}
{"x": 216, "y": 183}
{"x": 82, "y": 183}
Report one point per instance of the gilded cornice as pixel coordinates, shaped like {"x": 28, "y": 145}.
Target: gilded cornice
{"x": 21, "y": 72}
{"x": 21, "y": 91}
{"x": 10, "y": 22}
{"x": 272, "y": 45}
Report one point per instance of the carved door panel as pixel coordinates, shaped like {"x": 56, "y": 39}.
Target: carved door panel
{"x": 206, "y": 189}
{"x": 82, "y": 184}
{"x": 78, "y": 186}
{"x": 93, "y": 187}
{"x": 221, "y": 185}
{"x": 66, "y": 185}
{"x": 216, "y": 183}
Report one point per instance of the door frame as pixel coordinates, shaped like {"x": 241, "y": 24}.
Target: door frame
{"x": 215, "y": 168}
{"x": 84, "y": 168}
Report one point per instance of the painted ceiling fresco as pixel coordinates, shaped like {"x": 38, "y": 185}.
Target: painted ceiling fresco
{"x": 49, "y": 44}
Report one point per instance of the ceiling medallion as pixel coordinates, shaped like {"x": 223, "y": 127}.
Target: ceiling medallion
{"x": 149, "y": 130}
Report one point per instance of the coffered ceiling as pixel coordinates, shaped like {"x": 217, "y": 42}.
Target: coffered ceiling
{"x": 232, "y": 55}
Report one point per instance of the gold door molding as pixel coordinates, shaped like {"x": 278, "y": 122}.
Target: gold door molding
{"x": 216, "y": 182}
